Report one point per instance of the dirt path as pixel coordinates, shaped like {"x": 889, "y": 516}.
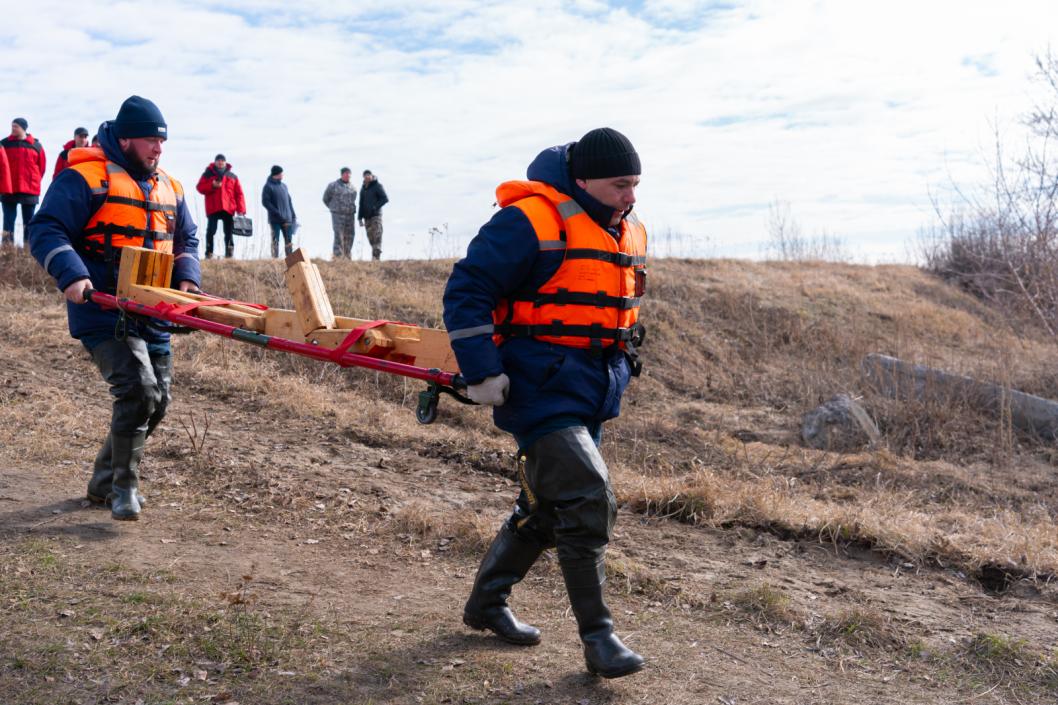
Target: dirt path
{"x": 357, "y": 578}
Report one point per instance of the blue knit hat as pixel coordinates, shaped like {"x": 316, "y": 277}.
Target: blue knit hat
{"x": 139, "y": 117}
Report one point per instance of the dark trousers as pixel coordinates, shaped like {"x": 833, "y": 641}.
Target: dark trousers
{"x": 211, "y": 230}
{"x": 287, "y": 231}
{"x": 10, "y": 208}
{"x": 139, "y": 382}
{"x": 566, "y": 499}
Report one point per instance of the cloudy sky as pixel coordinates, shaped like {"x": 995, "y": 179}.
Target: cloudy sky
{"x": 852, "y": 112}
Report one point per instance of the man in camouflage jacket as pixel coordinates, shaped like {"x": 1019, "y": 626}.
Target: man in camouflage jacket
{"x": 340, "y": 198}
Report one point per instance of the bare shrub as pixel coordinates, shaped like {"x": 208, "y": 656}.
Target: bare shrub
{"x": 1001, "y": 242}
{"x": 787, "y": 243}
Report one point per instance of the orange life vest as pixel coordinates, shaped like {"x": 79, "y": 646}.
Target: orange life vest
{"x": 126, "y": 218}
{"x": 592, "y": 300}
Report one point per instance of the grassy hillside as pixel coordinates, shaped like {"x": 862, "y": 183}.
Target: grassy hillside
{"x": 736, "y": 353}
{"x": 708, "y": 442}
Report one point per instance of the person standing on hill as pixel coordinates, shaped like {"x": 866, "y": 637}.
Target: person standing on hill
{"x": 281, "y": 217}
{"x": 80, "y": 139}
{"x": 5, "y": 173}
{"x": 542, "y": 314}
{"x": 224, "y": 200}
{"x": 111, "y": 197}
{"x": 372, "y": 198}
{"x": 27, "y": 164}
{"x": 340, "y": 199}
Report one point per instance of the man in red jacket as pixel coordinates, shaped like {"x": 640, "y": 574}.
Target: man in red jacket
{"x": 25, "y": 157}
{"x": 224, "y": 199}
{"x": 5, "y": 173}
{"x": 80, "y": 139}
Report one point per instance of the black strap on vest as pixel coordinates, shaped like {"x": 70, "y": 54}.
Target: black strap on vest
{"x": 564, "y": 297}
{"x": 145, "y": 205}
{"x": 633, "y": 335}
{"x": 618, "y": 258}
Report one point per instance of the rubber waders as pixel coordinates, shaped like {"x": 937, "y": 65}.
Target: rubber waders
{"x": 126, "y": 452}
{"x": 505, "y": 563}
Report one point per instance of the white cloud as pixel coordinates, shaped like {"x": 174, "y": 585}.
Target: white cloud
{"x": 851, "y": 111}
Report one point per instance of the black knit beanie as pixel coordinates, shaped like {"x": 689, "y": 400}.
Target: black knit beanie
{"x": 276, "y": 170}
{"x": 139, "y": 117}
{"x": 603, "y": 153}
{"x": 21, "y": 122}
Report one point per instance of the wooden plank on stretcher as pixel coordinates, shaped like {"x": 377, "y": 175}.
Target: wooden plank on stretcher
{"x": 431, "y": 350}
{"x": 230, "y": 315}
{"x": 372, "y": 342}
{"x": 310, "y": 297}
{"x": 284, "y": 323}
{"x": 163, "y": 269}
{"x": 142, "y": 267}
{"x": 131, "y": 269}
{"x": 424, "y": 347}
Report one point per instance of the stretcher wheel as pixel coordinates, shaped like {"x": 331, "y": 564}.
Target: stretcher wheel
{"x": 426, "y": 410}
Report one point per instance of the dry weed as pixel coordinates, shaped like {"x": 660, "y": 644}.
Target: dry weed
{"x": 768, "y": 607}
{"x": 1010, "y": 662}
{"x": 861, "y": 628}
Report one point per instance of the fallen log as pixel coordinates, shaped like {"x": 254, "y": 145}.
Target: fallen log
{"x": 899, "y": 379}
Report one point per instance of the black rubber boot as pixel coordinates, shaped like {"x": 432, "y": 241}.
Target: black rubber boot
{"x": 604, "y": 653}
{"x": 126, "y": 452}
{"x": 505, "y": 563}
{"x": 102, "y": 476}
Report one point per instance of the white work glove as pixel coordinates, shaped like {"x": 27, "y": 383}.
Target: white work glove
{"x": 491, "y": 391}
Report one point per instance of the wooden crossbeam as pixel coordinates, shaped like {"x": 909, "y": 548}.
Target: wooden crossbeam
{"x": 229, "y": 314}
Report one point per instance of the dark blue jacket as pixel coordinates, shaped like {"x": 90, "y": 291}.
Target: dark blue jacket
{"x": 276, "y": 200}
{"x": 55, "y": 236}
{"x": 551, "y": 385}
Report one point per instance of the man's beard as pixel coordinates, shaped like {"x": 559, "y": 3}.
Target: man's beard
{"x": 138, "y": 164}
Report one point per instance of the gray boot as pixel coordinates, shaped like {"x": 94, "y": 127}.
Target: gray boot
{"x": 101, "y": 484}
{"x": 126, "y": 452}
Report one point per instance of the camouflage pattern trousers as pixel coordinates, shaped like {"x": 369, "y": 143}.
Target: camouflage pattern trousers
{"x": 344, "y": 225}
{"x": 374, "y": 235}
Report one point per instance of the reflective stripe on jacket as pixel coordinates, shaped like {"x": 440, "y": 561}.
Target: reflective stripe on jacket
{"x": 126, "y": 218}
{"x": 592, "y": 301}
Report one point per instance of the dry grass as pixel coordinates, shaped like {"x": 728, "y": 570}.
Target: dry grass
{"x": 1009, "y": 662}
{"x": 769, "y": 608}
{"x": 737, "y": 351}
{"x": 860, "y": 628}
{"x": 126, "y": 630}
